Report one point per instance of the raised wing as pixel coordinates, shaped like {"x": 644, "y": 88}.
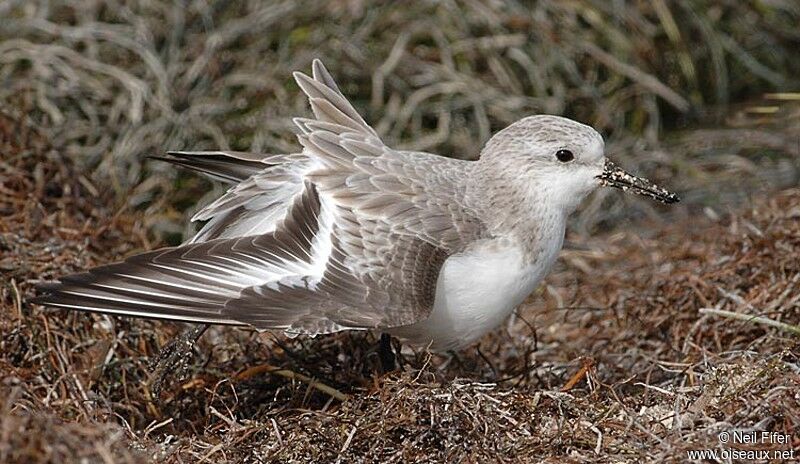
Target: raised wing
{"x": 258, "y": 203}
{"x": 397, "y": 216}
{"x": 347, "y": 234}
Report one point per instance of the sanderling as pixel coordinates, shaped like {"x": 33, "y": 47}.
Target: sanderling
{"x": 350, "y": 234}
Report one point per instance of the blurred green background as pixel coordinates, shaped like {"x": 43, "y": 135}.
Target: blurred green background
{"x": 699, "y": 95}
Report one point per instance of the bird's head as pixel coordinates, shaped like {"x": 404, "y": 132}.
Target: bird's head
{"x": 561, "y": 160}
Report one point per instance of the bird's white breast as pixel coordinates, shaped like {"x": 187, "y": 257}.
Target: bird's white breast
{"x": 477, "y": 290}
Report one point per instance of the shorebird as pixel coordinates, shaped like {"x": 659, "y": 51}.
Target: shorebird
{"x": 350, "y": 234}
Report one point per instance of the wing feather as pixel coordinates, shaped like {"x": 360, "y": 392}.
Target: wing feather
{"x": 395, "y": 225}
{"x": 227, "y": 166}
{"x": 193, "y": 282}
{"x": 346, "y": 234}
{"x": 256, "y": 205}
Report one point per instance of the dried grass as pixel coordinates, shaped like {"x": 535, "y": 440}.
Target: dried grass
{"x": 647, "y": 376}
{"x": 92, "y": 86}
{"x": 110, "y": 83}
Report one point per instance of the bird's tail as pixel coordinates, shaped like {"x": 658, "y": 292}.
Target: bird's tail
{"x": 230, "y": 167}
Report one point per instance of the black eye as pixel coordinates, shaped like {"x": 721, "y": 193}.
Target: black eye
{"x": 564, "y": 155}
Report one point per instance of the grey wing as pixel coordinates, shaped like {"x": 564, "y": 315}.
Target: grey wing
{"x": 256, "y": 205}
{"x": 307, "y": 276}
{"x": 365, "y": 284}
{"x": 346, "y": 234}
{"x": 265, "y": 186}
{"x": 397, "y": 218}
{"x": 193, "y": 282}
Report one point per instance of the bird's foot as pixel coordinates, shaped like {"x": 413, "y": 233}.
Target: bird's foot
{"x": 386, "y": 354}
{"x": 173, "y": 359}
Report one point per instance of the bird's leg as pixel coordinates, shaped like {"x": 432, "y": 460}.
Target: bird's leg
{"x": 386, "y": 353}
{"x": 398, "y": 353}
{"x": 173, "y": 359}
{"x": 456, "y": 359}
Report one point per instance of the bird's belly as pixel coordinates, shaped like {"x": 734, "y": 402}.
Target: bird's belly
{"x": 475, "y": 292}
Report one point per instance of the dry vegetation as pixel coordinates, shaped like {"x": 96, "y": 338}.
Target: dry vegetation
{"x": 90, "y": 88}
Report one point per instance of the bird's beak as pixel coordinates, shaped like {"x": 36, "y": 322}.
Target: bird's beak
{"x": 614, "y": 176}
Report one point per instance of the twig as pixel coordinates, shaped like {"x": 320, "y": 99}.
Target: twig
{"x": 347, "y": 441}
{"x": 646, "y": 80}
{"x": 270, "y": 369}
{"x": 793, "y": 329}
{"x": 587, "y": 364}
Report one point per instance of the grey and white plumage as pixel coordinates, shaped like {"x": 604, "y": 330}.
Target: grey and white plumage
{"x": 352, "y": 234}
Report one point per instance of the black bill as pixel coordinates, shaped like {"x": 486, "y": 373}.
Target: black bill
{"x": 614, "y": 176}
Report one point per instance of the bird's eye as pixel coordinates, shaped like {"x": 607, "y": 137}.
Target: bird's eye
{"x": 564, "y": 156}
